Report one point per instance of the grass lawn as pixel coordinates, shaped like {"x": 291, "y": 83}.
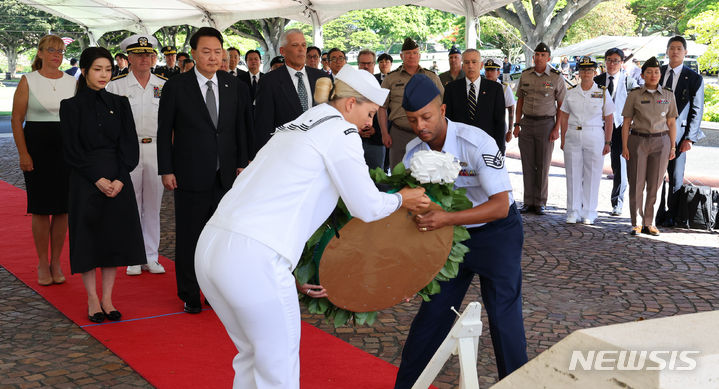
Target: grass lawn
{"x": 5, "y": 113}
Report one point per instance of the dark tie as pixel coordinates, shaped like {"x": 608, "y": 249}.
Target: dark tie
{"x": 670, "y": 79}
{"x": 211, "y": 103}
{"x": 254, "y": 84}
{"x": 471, "y": 101}
{"x": 610, "y": 86}
{"x": 301, "y": 91}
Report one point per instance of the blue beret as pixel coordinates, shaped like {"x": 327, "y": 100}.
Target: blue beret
{"x": 418, "y": 92}
{"x": 454, "y": 50}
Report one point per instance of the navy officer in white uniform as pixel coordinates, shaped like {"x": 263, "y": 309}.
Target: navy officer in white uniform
{"x": 247, "y": 252}
{"x": 143, "y": 89}
{"x": 494, "y": 225}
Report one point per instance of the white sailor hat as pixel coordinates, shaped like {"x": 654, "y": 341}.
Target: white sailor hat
{"x": 363, "y": 82}
{"x": 139, "y": 43}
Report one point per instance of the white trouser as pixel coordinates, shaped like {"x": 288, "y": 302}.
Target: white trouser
{"x": 583, "y": 161}
{"x": 252, "y": 290}
{"x": 148, "y": 194}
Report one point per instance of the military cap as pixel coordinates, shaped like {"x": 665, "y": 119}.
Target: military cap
{"x": 138, "y": 44}
{"x": 169, "y": 50}
{"x": 276, "y": 60}
{"x": 490, "y": 64}
{"x": 652, "y": 62}
{"x": 542, "y": 48}
{"x": 454, "y": 50}
{"x": 418, "y": 92}
{"x": 384, "y": 56}
{"x": 409, "y": 44}
{"x": 587, "y": 62}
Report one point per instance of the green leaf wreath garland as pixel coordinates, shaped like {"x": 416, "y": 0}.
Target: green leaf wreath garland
{"x": 307, "y": 270}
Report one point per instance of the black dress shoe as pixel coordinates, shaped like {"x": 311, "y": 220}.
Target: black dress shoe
{"x": 207, "y": 303}
{"x": 112, "y": 315}
{"x": 97, "y": 317}
{"x": 539, "y": 210}
{"x": 526, "y": 208}
{"x": 192, "y": 309}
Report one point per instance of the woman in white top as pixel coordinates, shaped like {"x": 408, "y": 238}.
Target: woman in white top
{"x": 249, "y": 248}
{"x": 39, "y": 145}
{"x": 587, "y": 125}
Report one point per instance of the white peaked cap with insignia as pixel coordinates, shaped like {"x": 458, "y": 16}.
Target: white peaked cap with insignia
{"x": 363, "y": 82}
{"x": 139, "y": 43}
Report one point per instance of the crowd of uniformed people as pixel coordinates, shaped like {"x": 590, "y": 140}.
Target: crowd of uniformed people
{"x": 256, "y": 161}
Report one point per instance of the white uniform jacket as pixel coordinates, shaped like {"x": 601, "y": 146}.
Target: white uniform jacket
{"x": 144, "y": 102}
{"x": 483, "y": 172}
{"x": 294, "y": 182}
{"x": 587, "y": 109}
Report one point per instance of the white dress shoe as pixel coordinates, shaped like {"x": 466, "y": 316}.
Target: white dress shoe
{"x": 155, "y": 268}
{"x": 135, "y": 270}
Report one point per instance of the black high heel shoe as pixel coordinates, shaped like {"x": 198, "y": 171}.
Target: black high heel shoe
{"x": 97, "y": 317}
{"x": 112, "y": 315}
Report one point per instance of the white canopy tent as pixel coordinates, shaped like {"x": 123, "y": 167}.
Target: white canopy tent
{"x": 101, "y": 16}
{"x": 643, "y": 47}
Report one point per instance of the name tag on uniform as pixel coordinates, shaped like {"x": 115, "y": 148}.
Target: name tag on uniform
{"x": 156, "y": 92}
{"x": 597, "y": 95}
{"x": 663, "y": 101}
{"x": 645, "y": 102}
{"x": 400, "y": 84}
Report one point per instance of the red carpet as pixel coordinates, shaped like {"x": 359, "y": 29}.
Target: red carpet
{"x": 167, "y": 347}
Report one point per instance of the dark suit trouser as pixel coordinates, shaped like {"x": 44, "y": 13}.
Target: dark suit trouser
{"x": 619, "y": 169}
{"x": 500, "y": 275}
{"x": 536, "y": 152}
{"x": 675, "y": 169}
{"x": 192, "y": 211}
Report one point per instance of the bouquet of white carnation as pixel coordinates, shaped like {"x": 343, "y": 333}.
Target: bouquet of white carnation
{"x": 429, "y": 166}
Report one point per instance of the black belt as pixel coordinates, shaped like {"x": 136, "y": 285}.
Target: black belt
{"x": 538, "y": 117}
{"x": 645, "y": 135}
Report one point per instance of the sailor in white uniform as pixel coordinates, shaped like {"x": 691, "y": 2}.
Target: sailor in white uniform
{"x": 586, "y": 119}
{"x": 247, "y": 252}
{"x": 143, "y": 89}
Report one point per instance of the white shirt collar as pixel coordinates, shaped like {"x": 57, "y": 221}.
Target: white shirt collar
{"x": 202, "y": 80}
{"x": 254, "y": 75}
{"x": 476, "y": 82}
{"x": 292, "y": 71}
{"x": 677, "y": 70}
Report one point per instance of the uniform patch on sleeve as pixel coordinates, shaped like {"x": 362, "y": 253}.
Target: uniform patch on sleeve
{"x": 351, "y": 131}
{"x": 494, "y": 161}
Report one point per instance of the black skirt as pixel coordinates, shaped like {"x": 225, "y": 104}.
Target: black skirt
{"x": 47, "y": 184}
{"x": 104, "y": 231}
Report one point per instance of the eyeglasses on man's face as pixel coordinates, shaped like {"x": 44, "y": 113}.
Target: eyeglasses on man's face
{"x": 338, "y": 59}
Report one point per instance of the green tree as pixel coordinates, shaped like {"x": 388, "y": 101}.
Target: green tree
{"x": 668, "y": 17}
{"x": 543, "y": 20}
{"x": 21, "y": 29}
{"x": 608, "y": 18}
{"x": 705, "y": 27}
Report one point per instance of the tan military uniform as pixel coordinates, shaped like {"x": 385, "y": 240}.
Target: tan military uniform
{"x": 400, "y": 130}
{"x": 649, "y": 145}
{"x": 540, "y": 94}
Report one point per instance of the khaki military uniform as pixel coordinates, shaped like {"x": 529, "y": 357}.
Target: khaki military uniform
{"x": 446, "y": 77}
{"x": 541, "y": 94}
{"x": 649, "y": 145}
{"x": 400, "y": 129}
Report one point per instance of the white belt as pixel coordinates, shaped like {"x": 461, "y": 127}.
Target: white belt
{"x": 580, "y": 128}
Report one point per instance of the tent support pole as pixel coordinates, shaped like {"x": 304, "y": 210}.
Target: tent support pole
{"x": 470, "y": 27}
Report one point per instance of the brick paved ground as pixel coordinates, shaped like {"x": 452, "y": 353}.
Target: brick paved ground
{"x": 575, "y": 277}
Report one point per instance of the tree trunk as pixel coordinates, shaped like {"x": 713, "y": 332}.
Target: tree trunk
{"x": 267, "y": 32}
{"x": 11, "y": 54}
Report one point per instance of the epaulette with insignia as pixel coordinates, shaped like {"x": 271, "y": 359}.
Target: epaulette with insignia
{"x": 555, "y": 71}
{"x": 571, "y": 87}
{"x": 161, "y": 76}
{"x": 351, "y": 131}
{"x": 603, "y": 87}
{"x": 669, "y": 89}
{"x": 119, "y": 76}
{"x": 505, "y": 83}
{"x": 528, "y": 69}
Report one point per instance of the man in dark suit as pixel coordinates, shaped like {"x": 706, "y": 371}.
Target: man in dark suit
{"x": 202, "y": 139}
{"x": 235, "y": 56}
{"x": 688, "y": 87}
{"x": 475, "y": 100}
{"x": 285, "y": 93}
{"x": 374, "y": 150}
{"x": 253, "y": 75}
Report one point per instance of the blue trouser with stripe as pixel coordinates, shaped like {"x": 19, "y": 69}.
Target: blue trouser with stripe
{"x": 495, "y": 255}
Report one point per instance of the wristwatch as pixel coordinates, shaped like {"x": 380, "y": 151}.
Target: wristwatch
{"x": 516, "y": 124}
{"x": 607, "y": 143}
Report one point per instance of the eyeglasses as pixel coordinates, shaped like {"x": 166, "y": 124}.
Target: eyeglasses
{"x": 313, "y": 56}
{"x": 365, "y": 63}
{"x": 52, "y": 50}
{"x": 338, "y": 59}
{"x": 613, "y": 61}
{"x": 324, "y": 59}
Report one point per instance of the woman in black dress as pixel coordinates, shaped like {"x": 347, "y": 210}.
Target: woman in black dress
{"x": 39, "y": 145}
{"x": 101, "y": 147}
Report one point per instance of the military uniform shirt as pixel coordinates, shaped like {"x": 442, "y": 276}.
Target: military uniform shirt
{"x": 541, "y": 92}
{"x": 508, "y": 94}
{"x": 166, "y": 72}
{"x": 587, "y": 108}
{"x": 483, "y": 172}
{"x": 649, "y": 111}
{"x": 144, "y": 102}
{"x": 395, "y": 82}
{"x": 446, "y": 77}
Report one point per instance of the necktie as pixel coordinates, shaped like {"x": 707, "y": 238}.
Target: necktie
{"x": 670, "y": 79}
{"x": 254, "y": 83}
{"x": 211, "y": 103}
{"x": 301, "y": 91}
{"x": 610, "y": 87}
{"x": 471, "y": 102}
